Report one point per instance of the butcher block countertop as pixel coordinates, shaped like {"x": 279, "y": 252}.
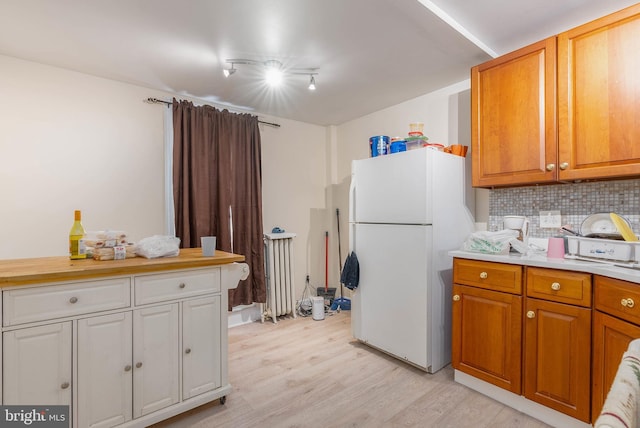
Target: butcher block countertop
{"x": 16, "y": 272}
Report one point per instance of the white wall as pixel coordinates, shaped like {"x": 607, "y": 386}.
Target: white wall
{"x": 73, "y": 141}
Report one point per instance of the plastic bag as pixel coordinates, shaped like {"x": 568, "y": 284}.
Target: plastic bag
{"x": 490, "y": 242}
{"x": 158, "y": 246}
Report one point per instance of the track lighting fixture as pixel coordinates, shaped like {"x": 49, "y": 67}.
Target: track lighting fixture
{"x": 274, "y": 71}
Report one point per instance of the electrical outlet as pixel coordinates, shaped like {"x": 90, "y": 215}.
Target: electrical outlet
{"x": 550, "y": 220}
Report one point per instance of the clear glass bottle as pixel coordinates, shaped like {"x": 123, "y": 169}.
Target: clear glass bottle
{"x": 77, "y": 249}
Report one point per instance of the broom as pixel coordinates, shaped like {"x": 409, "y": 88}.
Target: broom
{"x": 341, "y": 302}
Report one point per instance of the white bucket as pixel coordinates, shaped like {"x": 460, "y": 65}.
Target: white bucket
{"x": 317, "y": 309}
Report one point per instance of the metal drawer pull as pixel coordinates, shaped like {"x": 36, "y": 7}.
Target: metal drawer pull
{"x": 531, "y": 314}
{"x": 138, "y": 365}
{"x": 456, "y": 297}
{"x": 73, "y": 300}
{"x": 484, "y": 275}
{"x": 564, "y": 165}
{"x": 182, "y": 285}
{"x": 187, "y": 351}
{"x": 628, "y": 303}
{"x": 551, "y": 166}
{"x": 64, "y": 385}
{"x": 127, "y": 368}
{"x": 555, "y": 286}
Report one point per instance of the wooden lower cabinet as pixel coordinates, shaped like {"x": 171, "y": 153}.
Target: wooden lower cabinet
{"x": 487, "y": 335}
{"x": 557, "y": 357}
{"x": 611, "y": 337}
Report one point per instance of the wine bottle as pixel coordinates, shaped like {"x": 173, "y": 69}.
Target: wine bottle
{"x": 77, "y": 249}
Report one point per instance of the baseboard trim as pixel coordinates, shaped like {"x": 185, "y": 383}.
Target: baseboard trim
{"x": 518, "y": 402}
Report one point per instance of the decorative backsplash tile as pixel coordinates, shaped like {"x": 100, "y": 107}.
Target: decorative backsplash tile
{"x": 575, "y": 201}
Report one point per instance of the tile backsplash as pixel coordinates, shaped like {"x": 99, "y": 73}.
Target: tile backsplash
{"x": 575, "y": 201}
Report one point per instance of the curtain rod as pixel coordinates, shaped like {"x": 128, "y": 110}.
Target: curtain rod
{"x": 168, "y": 103}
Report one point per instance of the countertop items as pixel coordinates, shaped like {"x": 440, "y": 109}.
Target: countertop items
{"x": 541, "y": 260}
{"x": 48, "y": 269}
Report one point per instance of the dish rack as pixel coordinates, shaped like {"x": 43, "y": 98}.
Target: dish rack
{"x": 604, "y": 250}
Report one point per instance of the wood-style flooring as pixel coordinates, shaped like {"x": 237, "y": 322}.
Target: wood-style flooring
{"x": 306, "y": 373}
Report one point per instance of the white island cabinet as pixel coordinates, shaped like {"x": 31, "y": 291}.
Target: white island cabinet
{"x": 125, "y": 343}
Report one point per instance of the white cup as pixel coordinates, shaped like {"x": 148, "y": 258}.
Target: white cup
{"x": 208, "y": 245}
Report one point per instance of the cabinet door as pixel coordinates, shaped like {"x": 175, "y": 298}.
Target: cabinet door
{"x": 513, "y": 111}
{"x": 599, "y": 98}
{"x": 487, "y": 333}
{"x": 37, "y": 365}
{"x": 201, "y": 359}
{"x": 156, "y": 356}
{"x": 104, "y": 370}
{"x": 611, "y": 338}
{"x": 557, "y": 360}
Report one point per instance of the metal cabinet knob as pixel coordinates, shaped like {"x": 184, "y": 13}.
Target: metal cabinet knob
{"x": 551, "y": 166}
{"x": 531, "y": 314}
{"x": 187, "y": 351}
{"x": 73, "y": 300}
{"x": 564, "y": 165}
{"x": 182, "y": 285}
{"x": 138, "y": 365}
{"x": 628, "y": 303}
{"x": 127, "y": 368}
{"x": 456, "y": 297}
{"x": 484, "y": 275}
{"x": 64, "y": 385}
{"x": 555, "y": 286}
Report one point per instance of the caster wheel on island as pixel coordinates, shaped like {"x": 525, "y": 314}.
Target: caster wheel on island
{"x": 223, "y": 399}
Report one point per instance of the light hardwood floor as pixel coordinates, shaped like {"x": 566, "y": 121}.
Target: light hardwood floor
{"x": 306, "y": 373}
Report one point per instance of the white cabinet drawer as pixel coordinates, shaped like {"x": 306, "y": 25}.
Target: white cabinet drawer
{"x": 56, "y": 301}
{"x": 175, "y": 285}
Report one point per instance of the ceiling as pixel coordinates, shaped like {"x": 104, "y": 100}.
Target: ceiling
{"x": 370, "y": 54}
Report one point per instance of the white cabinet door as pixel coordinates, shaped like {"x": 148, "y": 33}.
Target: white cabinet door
{"x": 156, "y": 355}
{"x": 37, "y": 365}
{"x": 105, "y": 372}
{"x": 201, "y": 356}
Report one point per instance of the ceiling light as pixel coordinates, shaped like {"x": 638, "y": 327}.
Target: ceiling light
{"x": 274, "y": 71}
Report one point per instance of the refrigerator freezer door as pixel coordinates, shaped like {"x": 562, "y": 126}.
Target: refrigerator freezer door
{"x": 392, "y": 189}
{"x": 389, "y": 308}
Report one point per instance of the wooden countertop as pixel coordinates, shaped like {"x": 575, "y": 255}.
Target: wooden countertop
{"x": 16, "y": 272}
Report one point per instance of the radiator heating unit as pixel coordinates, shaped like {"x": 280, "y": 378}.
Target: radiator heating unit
{"x": 278, "y": 259}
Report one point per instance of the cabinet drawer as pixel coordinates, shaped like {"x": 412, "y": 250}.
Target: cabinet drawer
{"x": 175, "y": 285}
{"x": 56, "y": 301}
{"x": 489, "y": 275}
{"x": 618, "y": 298}
{"x": 559, "y": 286}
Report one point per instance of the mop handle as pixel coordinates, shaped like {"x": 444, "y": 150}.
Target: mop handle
{"x": 326, "y": 261}
{"x": 339, "y": 249}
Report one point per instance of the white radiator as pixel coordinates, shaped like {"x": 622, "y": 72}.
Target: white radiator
{"x": 278, "y": 258}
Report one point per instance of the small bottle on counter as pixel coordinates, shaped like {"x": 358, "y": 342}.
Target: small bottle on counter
{"x": 77, "y": 249}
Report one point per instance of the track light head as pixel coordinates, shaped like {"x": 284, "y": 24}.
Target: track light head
{"x": 229, "y": 71}
{"x": 312, "y": 83}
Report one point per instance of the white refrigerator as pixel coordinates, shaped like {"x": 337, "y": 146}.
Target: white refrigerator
{"x": 406, "y": 212}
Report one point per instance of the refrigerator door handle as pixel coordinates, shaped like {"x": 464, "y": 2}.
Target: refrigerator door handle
{"x": 352, "y": 199}
{"x": 352, "y": 237}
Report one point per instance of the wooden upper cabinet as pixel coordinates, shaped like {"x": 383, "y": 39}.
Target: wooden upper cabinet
{"x": 513, "y": 117}
{"x": 599, "y": 98}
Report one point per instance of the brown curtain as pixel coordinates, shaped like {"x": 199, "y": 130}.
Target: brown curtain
{"x": 217, "y": 171}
